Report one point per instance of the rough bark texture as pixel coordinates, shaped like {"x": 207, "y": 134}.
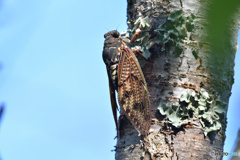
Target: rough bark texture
{"x": 169, "y": 75}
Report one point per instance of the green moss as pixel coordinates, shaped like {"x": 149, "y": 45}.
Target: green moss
{"x": 207, "y": 108}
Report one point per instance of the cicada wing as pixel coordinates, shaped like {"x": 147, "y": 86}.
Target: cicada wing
{"x": 133, "y": 95}
{"x": 113, "y": 99}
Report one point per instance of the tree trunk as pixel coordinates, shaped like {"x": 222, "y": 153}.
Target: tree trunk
{"x": 189, "y": 76}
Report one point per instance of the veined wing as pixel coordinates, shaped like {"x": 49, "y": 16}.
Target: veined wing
{"x": 133, "y": 95}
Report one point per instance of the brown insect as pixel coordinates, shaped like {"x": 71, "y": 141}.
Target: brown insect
{"x": 126, "y": 77}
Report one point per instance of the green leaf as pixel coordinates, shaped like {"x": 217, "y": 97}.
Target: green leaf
{"x": 219, "y": 108}
{"x": 163, "y": 108}
{"x": 144, "y": 40}
{"x": 202, "y": 103}
{"x": 208, "y": 117}
{"x": 201, "y": 121}
{"x": 163, "y": 49}
{"x": 146, "y": 53}
{"x": 191, "y": 18}
{"x": 216, "y": 126}
{"x": 204, "y": 94}
{"x": 179, "y": 44}
{"x": 201, "y": 108}
{"x": 175, "y": 107}
{"x": 185, "y": 97}
{"x": 181, "y": 31}
{"x": 175, "y": 120}
{"x": 193, "y": 94}
{"x": 190, "y": 107}
{"x": 175, "y": 15}
{"x": 137, "y": 21}
{"x": 143, "y": 21}
{"x": 189, "y": 27}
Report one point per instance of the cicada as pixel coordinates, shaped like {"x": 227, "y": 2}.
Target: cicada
{"x": 126, "y": 77}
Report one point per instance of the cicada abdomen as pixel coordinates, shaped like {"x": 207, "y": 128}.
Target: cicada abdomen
{"x": 126, "y": 77}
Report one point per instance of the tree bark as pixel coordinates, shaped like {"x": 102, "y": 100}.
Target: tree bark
{"x": 189, "y": 76}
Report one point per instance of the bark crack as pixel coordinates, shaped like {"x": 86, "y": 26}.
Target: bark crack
{"x": 181, "y": 3}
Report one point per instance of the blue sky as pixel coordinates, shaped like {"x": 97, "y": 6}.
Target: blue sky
{"x": 54, "y": 83}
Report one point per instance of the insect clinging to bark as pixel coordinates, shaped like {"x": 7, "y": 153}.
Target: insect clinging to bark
{"x": 126, "y": 77}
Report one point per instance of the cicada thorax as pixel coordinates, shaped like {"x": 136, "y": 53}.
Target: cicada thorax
{"x": 126, "y": 77}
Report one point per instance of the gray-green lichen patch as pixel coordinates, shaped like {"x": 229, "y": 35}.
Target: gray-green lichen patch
{"x": 203, "y": 106}
{"x": 175, "y": 30}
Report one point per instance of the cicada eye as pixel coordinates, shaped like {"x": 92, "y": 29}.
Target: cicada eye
{"x": 115, "y": 34}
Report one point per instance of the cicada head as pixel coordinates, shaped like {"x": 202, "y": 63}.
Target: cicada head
{"x": 113, "y": 33}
